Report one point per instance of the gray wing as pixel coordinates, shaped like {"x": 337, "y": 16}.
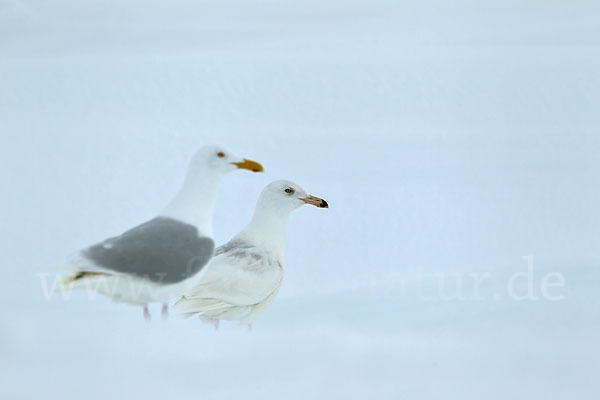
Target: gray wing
{"x": 162, "y": 250}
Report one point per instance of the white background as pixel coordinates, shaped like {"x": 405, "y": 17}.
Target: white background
{"x": 448, "y": 137}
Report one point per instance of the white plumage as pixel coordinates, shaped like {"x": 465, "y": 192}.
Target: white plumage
{"x": 234, "y": 284}
{"x": 244, "y": 276}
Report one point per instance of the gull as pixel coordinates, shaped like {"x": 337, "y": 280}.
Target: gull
{"x": 245, "y": 275}
{"x": 158, "y": 260}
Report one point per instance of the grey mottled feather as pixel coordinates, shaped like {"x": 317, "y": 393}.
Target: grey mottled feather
{"x": 239, "y": 249}
{"x": 162, "y": 250}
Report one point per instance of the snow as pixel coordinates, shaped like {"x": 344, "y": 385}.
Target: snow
{"x": 450, "y": 138}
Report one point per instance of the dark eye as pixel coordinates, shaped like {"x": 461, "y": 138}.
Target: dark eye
{"x": 221, "y": 154}
{"x": 289, "y": 191}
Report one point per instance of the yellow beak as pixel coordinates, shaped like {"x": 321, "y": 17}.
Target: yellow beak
{"x": 249, "y": 165}
{"x": 315, "y": 201}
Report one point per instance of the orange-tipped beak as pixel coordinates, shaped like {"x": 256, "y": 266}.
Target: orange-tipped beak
{"x": 315, "y": 201}
{"x": 249, "y": 165}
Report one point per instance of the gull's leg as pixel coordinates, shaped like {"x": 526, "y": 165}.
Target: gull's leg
{"x": 147, "y": 315}
{"x": 249, "y": 328}
{"x": 165, "y": 311}
{"x": 213, "y": 321}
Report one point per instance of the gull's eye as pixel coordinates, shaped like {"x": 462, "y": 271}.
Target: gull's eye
{"x": 289, "y": 190}
{"x": 220, "y": 154}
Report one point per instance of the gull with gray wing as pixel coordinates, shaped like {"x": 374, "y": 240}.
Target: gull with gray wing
{"x": 159, "y": 259}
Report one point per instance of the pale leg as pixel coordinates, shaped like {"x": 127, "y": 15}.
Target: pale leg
{"x": 165, "y": 311}
{"x": 147, "y": 315}
{"x": 214, "y": 322}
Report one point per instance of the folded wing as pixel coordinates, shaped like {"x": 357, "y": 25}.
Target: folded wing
{"x": 239, "y": 275}
{"x": 163, "y": 250}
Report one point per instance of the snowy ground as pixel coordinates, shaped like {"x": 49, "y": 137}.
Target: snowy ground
{"x": 451, "y": 139}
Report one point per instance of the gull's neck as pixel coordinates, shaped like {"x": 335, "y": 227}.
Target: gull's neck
{"x": 267, "y": 229}
{"x": 195, "y": 202}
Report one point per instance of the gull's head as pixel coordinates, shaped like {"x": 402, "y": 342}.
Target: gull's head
{"x": 285, "y": 196}
{"x": 221, "y": 160}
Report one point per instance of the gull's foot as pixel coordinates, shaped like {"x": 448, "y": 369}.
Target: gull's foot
{"x": 147, "y": 315}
